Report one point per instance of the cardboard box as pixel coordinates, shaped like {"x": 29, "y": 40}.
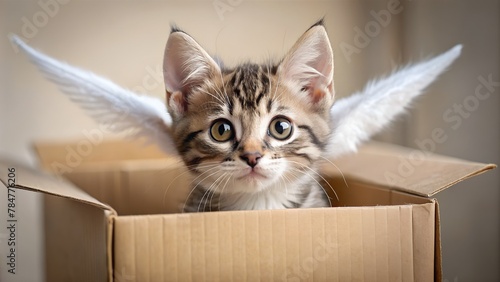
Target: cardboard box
{"x": 121, "y": 224}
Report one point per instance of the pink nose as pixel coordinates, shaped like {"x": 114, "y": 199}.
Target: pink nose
{"x": 251, "y": 158}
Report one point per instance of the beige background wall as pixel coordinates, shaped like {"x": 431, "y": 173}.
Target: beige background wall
{"x": 124, "y": 41}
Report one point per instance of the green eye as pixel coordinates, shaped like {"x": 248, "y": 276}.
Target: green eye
{"x": 222, "y": 130}
{"x": 280, "y": 128}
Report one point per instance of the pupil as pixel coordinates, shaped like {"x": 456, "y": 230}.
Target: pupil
{"x": 281, "y": 126}
{"x": 223, "y": 128}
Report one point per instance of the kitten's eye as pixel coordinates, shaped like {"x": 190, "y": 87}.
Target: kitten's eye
{"x": 280, "y": 128}
{"x": 222, "y": 130}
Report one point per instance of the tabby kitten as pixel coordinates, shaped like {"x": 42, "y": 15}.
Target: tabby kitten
{"x": 251, "y": 136}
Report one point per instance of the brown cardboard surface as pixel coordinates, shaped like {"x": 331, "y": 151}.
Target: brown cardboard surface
{"x": 410, "y": 170}
{"x": 353, "y": 193}
{"x": 341, "y": 244}
{"x": 373, "y": 233}
{"x": 76, "y": 241}
{"x": 84, "y": 151}
{"x": 135, "y": 187}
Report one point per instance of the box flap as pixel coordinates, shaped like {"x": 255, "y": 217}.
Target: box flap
{"x": 37, "y": 181}
{"x": 137, "y": 186}
{"x": 56, "y": 156}
{"x": 410, "y": 170}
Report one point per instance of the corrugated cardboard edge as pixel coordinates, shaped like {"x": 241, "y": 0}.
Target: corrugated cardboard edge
{"x": 109, "y": 245}
{"x": 482, "y": 168}
{"x": 438, "y": 261}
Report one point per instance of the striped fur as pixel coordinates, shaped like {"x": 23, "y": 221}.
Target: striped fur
{"x": 250, "y": 96}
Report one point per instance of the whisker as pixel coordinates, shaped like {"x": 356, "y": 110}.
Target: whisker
{"x": 319, "y": 175}
{"x": 180, "y": 175}
{"x": 217, "y": 91}
{"x": 341, "y": 173}
{"x": 317, "y": 182}
{"x": 221, "y": 75}
{"x": 212, "y": 95}
{"x": 285, "y": 178}
{"x": 224, "y": 187}
{"x": 211, "y": 190}
{"x": 225, "y": 175}
{"x": 196, "y": 186}
{"x": 207, "y": 192}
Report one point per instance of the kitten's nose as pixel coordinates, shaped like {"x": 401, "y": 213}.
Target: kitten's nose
{"x": 251, "y": 158}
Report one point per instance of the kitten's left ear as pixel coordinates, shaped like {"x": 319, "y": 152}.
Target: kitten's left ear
{"x": 308, "y": 66}
{"x": 186, "y": 65}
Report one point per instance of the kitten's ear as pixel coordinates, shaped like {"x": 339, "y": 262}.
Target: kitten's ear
{"x": 185, "y": 66}
{"x": 308, "y": 66}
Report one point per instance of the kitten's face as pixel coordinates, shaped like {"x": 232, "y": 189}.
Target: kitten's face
{"x": 254, "y": 127}
{"x": 246, "y": 131}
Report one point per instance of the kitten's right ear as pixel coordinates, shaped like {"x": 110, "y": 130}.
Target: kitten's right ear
{"x": 308, "y": 67}
{"x": 186, "y": 65}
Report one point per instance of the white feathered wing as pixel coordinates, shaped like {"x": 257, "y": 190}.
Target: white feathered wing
{"x": 357, "y": 117}
{"x": 120, "y": 109}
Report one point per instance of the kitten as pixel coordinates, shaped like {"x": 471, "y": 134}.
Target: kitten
{"x": 252, "y": 136}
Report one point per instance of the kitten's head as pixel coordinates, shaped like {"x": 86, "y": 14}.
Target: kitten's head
{"x": 253, "y": 127}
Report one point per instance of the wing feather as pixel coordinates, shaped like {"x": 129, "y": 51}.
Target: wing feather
{"x": 356, "y": 118}
{"x": 118, "y": 108}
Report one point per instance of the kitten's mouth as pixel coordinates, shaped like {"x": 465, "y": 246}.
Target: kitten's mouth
{"x": 252, "y": 174}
